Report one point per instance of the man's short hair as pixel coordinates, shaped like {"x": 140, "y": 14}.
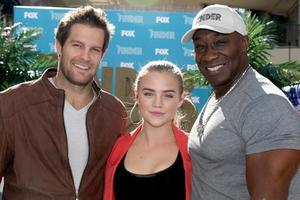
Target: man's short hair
{"x": 86, "y": 15}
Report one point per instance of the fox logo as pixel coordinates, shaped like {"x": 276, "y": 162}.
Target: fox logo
{"x": 164, "y": 52}
{"x": 127, "y": 64}
{"x": 127, "y": 33}
{"x": 163, "y": 20}
{"x": 31, "y": 15}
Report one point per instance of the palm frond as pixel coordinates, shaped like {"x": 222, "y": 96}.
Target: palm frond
{"x": 19, "y": 60}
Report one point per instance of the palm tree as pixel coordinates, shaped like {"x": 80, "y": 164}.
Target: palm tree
{"x": 19, "y": 61}
{"x": 262, "y": 37}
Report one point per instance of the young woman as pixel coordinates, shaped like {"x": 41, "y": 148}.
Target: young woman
{"x": 152, "y": 161}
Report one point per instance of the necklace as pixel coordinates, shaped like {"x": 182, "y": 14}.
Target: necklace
{"x": 201, "y": 125}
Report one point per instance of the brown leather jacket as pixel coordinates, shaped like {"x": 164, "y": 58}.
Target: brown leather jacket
{"x": 33, "y": 144}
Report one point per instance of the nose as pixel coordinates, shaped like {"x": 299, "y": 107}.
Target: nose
{"x": 85, "y": 54}
{"x": 209, "y": 54}
{"x": 157, "y": 101}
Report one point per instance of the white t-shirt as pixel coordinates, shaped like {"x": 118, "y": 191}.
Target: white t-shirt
{"x": 78, "y": 145}
{"x": 77, "y": 139}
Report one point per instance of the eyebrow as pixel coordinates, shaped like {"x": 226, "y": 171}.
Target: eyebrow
{"x": 76, "y": 41}
{"x": 72, "y": 41}
{"x": 165, "y": 91}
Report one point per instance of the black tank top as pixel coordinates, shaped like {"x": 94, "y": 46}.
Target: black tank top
{"x": 166, "y": 184}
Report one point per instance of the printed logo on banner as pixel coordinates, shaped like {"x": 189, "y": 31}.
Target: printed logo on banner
{"x": 169, "y": 35}
{"x": 127, "y": 64}
{"x": 128, "y": 33}
{"x": 135, "y": 19}
{"x": 195, "y": 99}
{"x": 31, "y": 15}
{"x": 163, "y": 52}
{"x": 137, "y": 51}
{"x": 56, "y": 16}
{"x": 162, "y": 20}
{"x": 188, "y": 52}
{"x": 191, "y": 67}
{"x": 188, "y": 20}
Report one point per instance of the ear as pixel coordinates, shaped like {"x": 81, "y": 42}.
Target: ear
{"x": 244, "y": 43}
{"x": 58, "y": 47}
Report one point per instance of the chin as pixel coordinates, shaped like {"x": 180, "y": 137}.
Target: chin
{"x": 157, "y": 124}
{"x": 82, "y": 82}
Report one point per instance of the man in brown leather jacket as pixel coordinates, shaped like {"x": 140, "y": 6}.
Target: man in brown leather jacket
{"x": 57, "y": 132}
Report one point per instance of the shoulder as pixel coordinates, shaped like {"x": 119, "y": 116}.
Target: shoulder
{"x": 17, "y": 96}
{"x": 17, "y": 89}
{"x": 128, "y": 137}
{"x": 121, "y": 145}
{"x": 270, "y": 122}
{"x": 181, "y": 136}
{"x": 111, "y": 102}
{"x": 254, "y": 91}
{"x": 256, "y": 85}
{"x": 178, "y": 131}
{"x": 33, "y": 88}
{"x": 264, "y": 110}
{"x": 269, "y": 106}
{"x": 30, "y": 93}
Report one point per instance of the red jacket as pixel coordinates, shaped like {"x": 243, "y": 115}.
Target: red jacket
{"x": 121, "y": 147}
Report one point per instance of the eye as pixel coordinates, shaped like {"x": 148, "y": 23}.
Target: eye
{"x": 169, "y": 96}
{"x": 199, "y": 48}
{"x": 221, "y": 43}
{"x": 77, "y": 45}
{"x": 148, "y": 94}
{"x": 97, "y": 50}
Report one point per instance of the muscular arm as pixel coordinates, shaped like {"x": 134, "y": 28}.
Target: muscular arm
{"x": 269, "y": 173}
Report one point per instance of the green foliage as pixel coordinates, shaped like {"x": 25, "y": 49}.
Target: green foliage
{"x": 283, "y": 74}
{"x": 192, "y": 78}
{"x": 19, "y": 61}
{"x": 262, "y": 38}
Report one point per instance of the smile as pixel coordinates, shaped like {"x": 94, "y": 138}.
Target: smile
{"x": 215, "y": 68}
{"x": 81, "y": 67}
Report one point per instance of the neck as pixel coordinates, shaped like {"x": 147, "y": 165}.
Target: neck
{"x": 77, "y": 96}
{"x": 224, "y": 89}
{"x": 156, "y": 135}
{"x": 220, "y": 92}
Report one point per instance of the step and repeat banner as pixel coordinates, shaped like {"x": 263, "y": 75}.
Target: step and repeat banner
{"x": 140, "y": 37}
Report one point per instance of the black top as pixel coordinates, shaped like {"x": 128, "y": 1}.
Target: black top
{"x": 166, "y": 184}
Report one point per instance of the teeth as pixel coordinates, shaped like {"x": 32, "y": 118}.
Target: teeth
{"x": 213, "y": 69}
{"x": 81, "y": 66}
